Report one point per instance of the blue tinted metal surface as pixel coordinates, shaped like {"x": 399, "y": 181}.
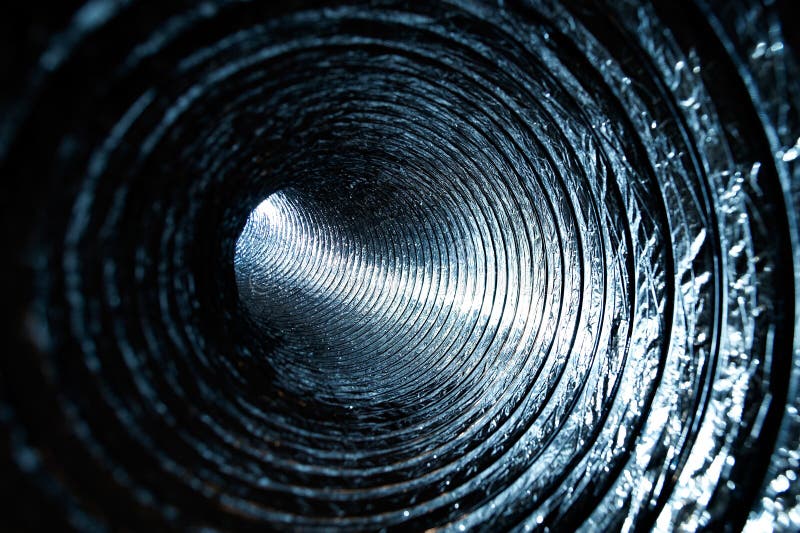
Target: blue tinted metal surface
{"x": 507, "y": 265}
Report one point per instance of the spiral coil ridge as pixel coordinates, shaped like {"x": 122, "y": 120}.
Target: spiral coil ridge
{"x": 374, "y": 265}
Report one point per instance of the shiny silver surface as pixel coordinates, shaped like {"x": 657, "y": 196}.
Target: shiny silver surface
{"x": 467, "y": 265}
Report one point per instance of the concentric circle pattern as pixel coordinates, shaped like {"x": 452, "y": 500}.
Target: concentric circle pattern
{"x": 375, "y": 265}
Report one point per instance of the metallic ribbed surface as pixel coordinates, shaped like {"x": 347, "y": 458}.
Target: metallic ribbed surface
{"x": 503, "y": 265}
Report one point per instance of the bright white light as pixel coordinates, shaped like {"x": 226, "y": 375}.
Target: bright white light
{"x": 269, "y": 209}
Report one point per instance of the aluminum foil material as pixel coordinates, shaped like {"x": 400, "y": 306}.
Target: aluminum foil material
{"x": 526, "y": 265}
